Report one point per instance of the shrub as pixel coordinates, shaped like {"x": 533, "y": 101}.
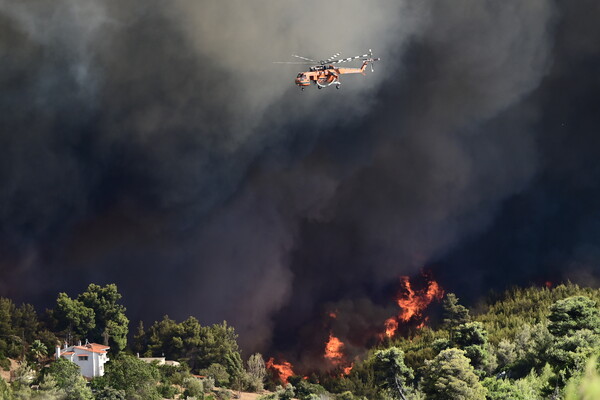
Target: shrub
{"x": 5, "y": 363}
{"x": 167, "y": 391}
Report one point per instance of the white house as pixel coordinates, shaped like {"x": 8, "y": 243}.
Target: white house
{"x": 90, "y": 357}
{"x": 158, "y": 360}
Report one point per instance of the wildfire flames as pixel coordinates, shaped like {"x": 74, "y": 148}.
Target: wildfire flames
{"x": 334, "y": 350}
{"x": 412, "y": 303}
{"x": 348, "y": 369}
{"x": 391, "y": 325}
{"x": 283, "y": 370}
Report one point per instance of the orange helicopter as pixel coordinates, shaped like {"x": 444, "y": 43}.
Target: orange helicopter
{"x": 325, "y": 73}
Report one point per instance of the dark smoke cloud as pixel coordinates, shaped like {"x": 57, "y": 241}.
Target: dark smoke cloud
{"x": 549, "y": 231}
{"x": 156, "y": 146}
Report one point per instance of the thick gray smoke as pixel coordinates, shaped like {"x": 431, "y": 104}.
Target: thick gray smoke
{"x": 156, "y": 145}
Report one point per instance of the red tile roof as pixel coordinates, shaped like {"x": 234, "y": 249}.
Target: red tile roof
{"x": 93, "y": 347}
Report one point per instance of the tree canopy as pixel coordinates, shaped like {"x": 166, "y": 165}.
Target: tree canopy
{"x": 450, "y": 376}
{"x": 95, "y": 315}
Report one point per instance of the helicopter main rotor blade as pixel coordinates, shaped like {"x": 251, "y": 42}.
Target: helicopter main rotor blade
{"x": 304, "y": 58}
{"x": 364, "y": 56}
{"x": 330, "y": 59}
{"x": 292, "y": 62}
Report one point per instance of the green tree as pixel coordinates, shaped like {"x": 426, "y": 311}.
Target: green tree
{"x": 218, "y": 373}
{"x": 109, "y": 393}
{"x": 69, "y": 380}
{"x": 450, "y": 376}
{"x": 200, "y": 346}
{"x": 165, "y": 337}
{"x": 572, "y": 314}
{"x": 390, "y": 371}
{"x": 218, "y": 344}
{"x": 5, "y": 391}
{"x": 140, "y": 343}
{"x": 25, "y": 322}
{"x": 6, "y": 311}
{"x": 470, "y": 334}
{"x": 506, "y": 353}
{"x": 174, "y": 374}
{"x": 24, "y": 375}
{"x": 110, "y": 321}
{"x": 48, "y": 385}
{"x": 305, "y": 389}
{"x": 454, "y": 314}
{"x": 38, "y": 350}
{"x": 587, "y": 386}
{"x": 167, "y": 391}
{"x": 95, "y": 315}
{"x": 11, "y": 339}
{"x": 256, "y": 372}
{"x": 532, "y": 345}
{"x": 286, "y": 393}
{"x": 135, "y": 377}
{"x": 193, "y": 388}
{"x": 575, "y": 325}
{"x": 569, "y": 354}
{"x": 72, "y": 316}
{"x": 502, "y": 389}
{"x": 472, "y": 338}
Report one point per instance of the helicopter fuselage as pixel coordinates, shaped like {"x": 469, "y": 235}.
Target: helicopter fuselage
{"x": 326, "y": 75}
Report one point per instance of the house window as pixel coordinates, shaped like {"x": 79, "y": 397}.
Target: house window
{"x": 83, "y": 358}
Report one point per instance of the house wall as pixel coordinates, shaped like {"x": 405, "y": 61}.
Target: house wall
{"x": 90, "y": 368}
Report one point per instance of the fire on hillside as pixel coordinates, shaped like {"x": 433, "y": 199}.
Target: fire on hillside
{"x": 340, "y": 351}
{"x": 412, "y": 303}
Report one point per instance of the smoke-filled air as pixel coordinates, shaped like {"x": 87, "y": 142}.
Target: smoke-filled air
{"x": 156, "y": 145}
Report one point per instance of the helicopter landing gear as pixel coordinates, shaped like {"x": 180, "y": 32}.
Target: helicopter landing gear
{"x": 337, "y": 86}
{"x": 319, "y": 87}
{"x": 302, "y": 88}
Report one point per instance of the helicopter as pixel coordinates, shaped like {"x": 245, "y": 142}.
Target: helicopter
{"x": 325, "y": 73}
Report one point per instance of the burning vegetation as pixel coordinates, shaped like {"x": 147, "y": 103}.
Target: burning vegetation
{"x": 282, "y": 371}
{"x": 346, "y": 343}
{"x": 334, "y": 350}
{"x": 412, "y": 304}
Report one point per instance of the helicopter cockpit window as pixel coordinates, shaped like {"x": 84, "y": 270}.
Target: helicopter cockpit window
{"x": 300, "y": 75}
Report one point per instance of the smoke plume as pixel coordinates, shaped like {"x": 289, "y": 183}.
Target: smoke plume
{"x": 157, "y": 146}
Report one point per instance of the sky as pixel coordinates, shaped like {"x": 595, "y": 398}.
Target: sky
{"x": 156, "y": 145}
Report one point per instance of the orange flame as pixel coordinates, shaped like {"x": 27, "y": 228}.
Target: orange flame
{"x": 334, "y": 350}
{"x": 391, "y": 325}
{"x": 332, "y": 314}
{"x": 413, "y": 303}
{"x": 422, "y": 324}
{"x": 348, "y": 369}
{"x": 283, "y": 370}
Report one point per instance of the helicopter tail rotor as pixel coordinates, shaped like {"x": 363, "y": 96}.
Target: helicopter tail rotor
{"x": 371, "y": 60}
